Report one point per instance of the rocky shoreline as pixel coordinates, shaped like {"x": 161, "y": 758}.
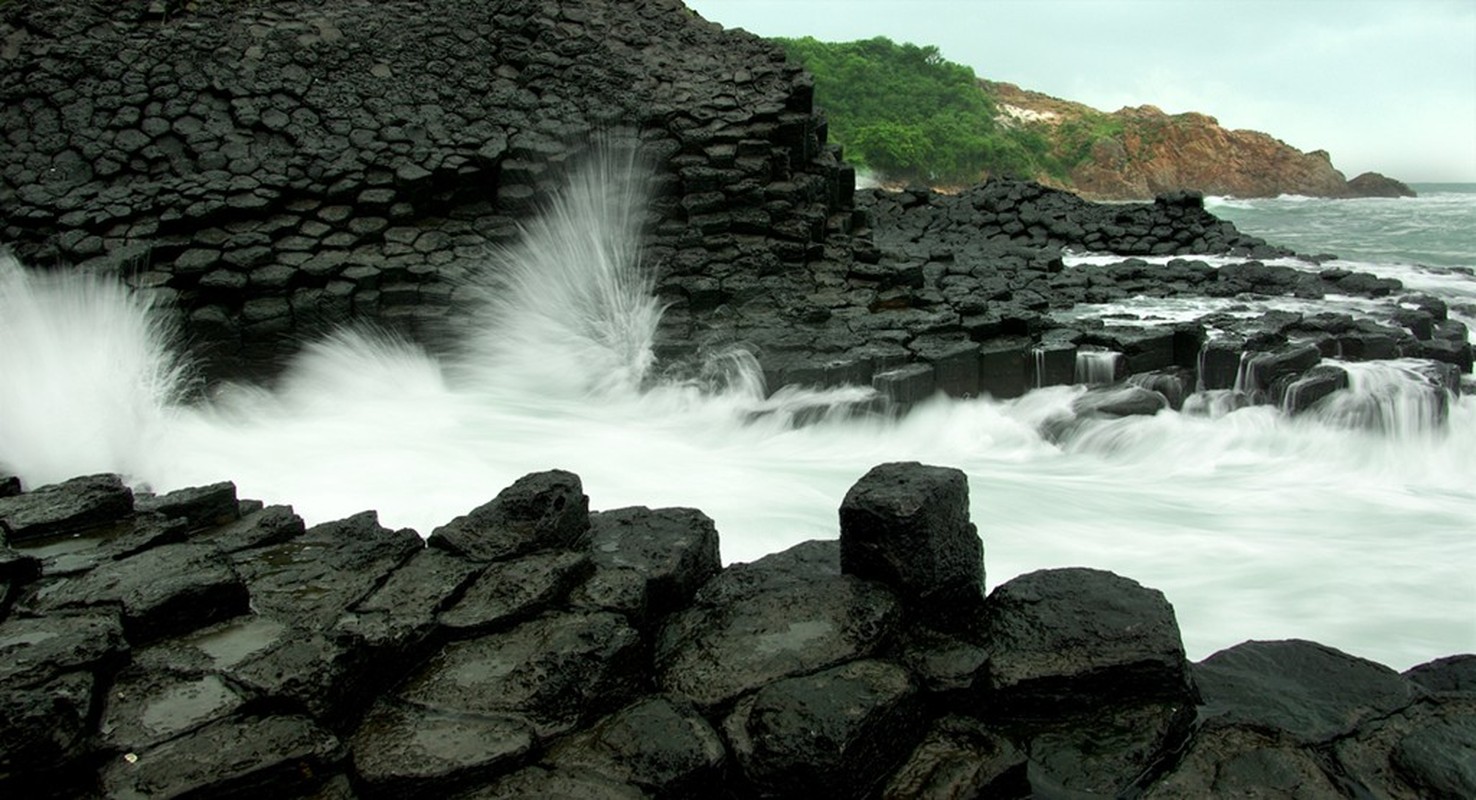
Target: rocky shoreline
{"x": 269, "y": 171}
{"x": 194, "y": 644}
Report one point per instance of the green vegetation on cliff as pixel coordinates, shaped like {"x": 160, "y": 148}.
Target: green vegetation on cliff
{"x": 902, "y": 110}
{"x": 908, "y": 113}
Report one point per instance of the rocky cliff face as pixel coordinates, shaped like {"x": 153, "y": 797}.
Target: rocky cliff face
{"x": 276, "y": 168}
{"x": 1147, "y": 152}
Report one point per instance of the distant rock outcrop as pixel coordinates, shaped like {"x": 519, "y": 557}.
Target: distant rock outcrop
{"x": 1138, "y": 153}
{"x": 1372, "y": 184}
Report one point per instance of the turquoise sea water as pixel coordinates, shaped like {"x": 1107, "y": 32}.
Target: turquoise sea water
{"x": 1253, "y": 524}
{"x": 1437, "y": 228}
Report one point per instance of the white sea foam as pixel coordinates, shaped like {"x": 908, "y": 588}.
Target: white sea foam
{"x": 1254, "y": 524}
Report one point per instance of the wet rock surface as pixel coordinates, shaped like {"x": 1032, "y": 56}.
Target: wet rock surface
{"x": 785, "y": 614}
{"x": 908, "y": 526}
{"x": 274, "y": 169}
{"x": 418, "y": 671}
{"x": 838, "y": 731}
{"x": 1055, "y": 633}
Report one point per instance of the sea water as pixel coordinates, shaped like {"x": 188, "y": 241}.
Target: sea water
{"x": 1253, "y": 523}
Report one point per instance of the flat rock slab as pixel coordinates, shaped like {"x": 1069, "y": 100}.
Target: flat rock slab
{"x": 75, "y": 553}
{"x": 676, "y": 549}
{"x": 36, "y": 650}
{"x": 1069, "y": 636}
{"x": 401, "y": 614}
{"x": 145, "y": 708}
{"x": 166, "y": 590}
{"x": 659, "y": 744}
{"x": 314, "y": 578}
{"x": 408, "y": 751}
{"x": 65, "y": 507}
{"x": 556, "y": 671}
{"x": 541, "y": 510}
{"x": 1310, "y": 691}
{"x": 198, "y": 506}
{"x": 277, "y": 756}
{"x": 715, "y": 652}
{"x": 835, "y": 733}
{"x": 512, "y": 591}
{"x": 272, "y": 659}
{"x": 268, "y": 526}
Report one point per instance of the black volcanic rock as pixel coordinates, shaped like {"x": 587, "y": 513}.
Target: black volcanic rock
{"x": 1065, "y": 683}
{"x": 907, "y": 526}
{"x": 556, "y": 671}
{"x": 545, "y": 509}
{"x": 511, "y": 591}
{"x": 199, "y": 507}
{"x": 165, "y": 590}
{"x": 835, "y": 733}
{"x": 65, "y": 507}
{"x": 44, "y": 727}
{"x": 961, "y": 757}
{"x": 1423, "y": 750}
{"x": 147, "y": 707}
{"x": 312, "y": 579}
{"x": 674, "y": 549}
{"x": 1067, "y": 637}
{"x": 1310, "y": 691}
{"x": 785, "y": 614}
{"x": 1450, "y": 674}
{"x": 408, "y": 751}
{"x": 663, "y": 746}
{"x": 268, "y": 756}
{"x": 1244, "y": 762}
{"x": 539, "y": 781}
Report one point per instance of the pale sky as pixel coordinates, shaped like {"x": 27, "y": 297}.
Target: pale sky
{"x": 1382, "y": 85}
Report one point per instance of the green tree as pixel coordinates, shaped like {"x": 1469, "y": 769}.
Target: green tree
{"x": 901, "y": 109}
{"x": 907, "y": 112}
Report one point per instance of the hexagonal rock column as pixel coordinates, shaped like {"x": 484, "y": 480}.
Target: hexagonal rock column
{"x": 907, "y": 525}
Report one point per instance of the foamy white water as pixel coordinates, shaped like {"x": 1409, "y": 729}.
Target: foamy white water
{"x": 1255, "y": 525}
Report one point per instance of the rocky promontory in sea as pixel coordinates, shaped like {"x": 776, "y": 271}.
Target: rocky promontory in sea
{"x": 194, "y": 644}
{"x": 270, "y": 170}
{"x": 1142, "y": 152}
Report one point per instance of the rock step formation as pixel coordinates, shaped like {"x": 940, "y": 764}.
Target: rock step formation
{"x": 193, "y": 644}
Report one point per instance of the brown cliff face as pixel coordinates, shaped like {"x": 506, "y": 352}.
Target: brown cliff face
{"x": 1138, "y": 153}
{"x": 1157, "y": 153}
